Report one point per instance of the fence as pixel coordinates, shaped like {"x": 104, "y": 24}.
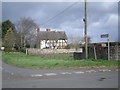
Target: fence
{"x": 101, "y": 53}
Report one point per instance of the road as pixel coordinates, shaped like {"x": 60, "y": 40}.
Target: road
{"x": 14, "y": 77}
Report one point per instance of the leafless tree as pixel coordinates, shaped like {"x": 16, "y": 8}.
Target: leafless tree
{"x": 88, "y": 39}
{"x": 76, "y": 41}
{"x": 26, "y": 30}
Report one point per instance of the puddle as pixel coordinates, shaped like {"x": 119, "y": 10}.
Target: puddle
{"x": 101, "y": 79}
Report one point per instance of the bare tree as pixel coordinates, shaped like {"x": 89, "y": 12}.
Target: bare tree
{"x": 76, "y": 41}
{"x": 88, "y": 39}
{"x": 26, "y": 30}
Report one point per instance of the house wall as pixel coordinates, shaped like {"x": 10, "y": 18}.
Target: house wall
{"x": 42, "y": 44}
{"x": 52, "y": 44}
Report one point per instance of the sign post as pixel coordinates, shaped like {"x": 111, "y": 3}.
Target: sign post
{"x": 108, "y": 40}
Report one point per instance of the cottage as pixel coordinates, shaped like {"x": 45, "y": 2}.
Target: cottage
{"x": 51, "y": 39}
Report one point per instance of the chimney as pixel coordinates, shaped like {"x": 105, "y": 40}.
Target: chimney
{"x": 38, "y": 30}
{"x": 48, "y": 30}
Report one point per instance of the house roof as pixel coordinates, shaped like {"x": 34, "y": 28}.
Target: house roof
{"x": 52, "y": 35}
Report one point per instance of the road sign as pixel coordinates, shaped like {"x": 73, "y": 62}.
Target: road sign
{"x": 104, "y": 35}
{"x": 108, "y": 40}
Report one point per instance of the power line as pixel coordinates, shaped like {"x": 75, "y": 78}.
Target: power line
{"x": 58, "y": 14}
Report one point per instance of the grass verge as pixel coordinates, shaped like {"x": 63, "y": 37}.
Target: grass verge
{"x": 29, "y": 61}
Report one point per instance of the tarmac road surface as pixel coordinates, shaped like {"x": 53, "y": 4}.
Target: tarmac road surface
{"x": 14, "y": 77}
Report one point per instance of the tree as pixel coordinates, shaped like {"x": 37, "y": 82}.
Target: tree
{"x": 0, "y": 34}
{"x": 76, "y": 41}
{"x": 88, "y": 39}
{"x": 9, "y": 39}
{"x": 26, "y": 28}
{"x": 6, "y": 25}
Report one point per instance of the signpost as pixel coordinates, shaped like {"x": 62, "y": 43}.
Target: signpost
{"x": 108, "y": 40}
{"x": 104, "y": 35}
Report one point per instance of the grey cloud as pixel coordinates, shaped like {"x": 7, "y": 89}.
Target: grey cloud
{"x": 101, "y": 10}
{"x": 118, "y": 21}
{"x": 109, "y": 26}
{"x": 100, "y": 16}
{"x": 0, "y": 12}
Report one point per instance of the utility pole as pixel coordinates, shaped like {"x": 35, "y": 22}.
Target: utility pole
{"x": 85, "y": 32}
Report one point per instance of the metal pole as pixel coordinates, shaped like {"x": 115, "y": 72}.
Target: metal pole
{"x": 86, "y": 39}
{"x": 108, "y": 47}
{"x": 95, "y": 52}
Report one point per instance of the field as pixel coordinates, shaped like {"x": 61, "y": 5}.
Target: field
{"x": 58, "y": 61}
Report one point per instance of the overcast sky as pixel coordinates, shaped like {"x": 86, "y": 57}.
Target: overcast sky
{"x": 102, "y": 17}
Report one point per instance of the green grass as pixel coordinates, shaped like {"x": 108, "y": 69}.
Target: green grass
{"x": 0, "y": 55}
{"x": 53, "y": 61}
{"x": 62, "y": 56}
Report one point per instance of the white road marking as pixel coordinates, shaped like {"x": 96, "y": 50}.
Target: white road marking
{"x": 100, "y": 70}
{"x": 49, "y": 74}
{"x": 91, "y": 71}
{"x": 65, "y": 73}
{"x": 109, "y": 70}
{"x": 36, "y": 75}
{"x": 78, "y": 72}
{"x": 103, "y": 70}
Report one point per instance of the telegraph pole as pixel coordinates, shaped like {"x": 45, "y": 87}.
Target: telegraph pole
{"x": 85, "y": 32}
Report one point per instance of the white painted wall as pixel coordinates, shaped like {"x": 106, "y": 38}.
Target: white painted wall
{"x": 48, "y": 44}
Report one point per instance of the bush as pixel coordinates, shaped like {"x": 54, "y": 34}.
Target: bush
{"x": 67, "y": 47}
{"x": 23, "y": 50}
{"x": 7, "y": 49}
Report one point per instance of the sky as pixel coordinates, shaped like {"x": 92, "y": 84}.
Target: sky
{"x": 68, "y": 16}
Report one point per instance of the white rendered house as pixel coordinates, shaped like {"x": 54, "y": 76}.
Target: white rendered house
{"x": 51, "y": 39}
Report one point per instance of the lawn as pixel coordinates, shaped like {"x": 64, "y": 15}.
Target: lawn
{"x": 58, "y": 61}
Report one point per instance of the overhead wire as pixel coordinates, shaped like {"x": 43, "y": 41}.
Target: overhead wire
{"x": 58, "y": 14}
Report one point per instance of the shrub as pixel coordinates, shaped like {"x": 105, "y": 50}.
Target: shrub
{"x": 8, "y": 49}
{"x": 23, "y": 50}
{"x": 67, "y": 47}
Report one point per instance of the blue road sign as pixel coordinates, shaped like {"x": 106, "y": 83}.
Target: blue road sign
{"x": 104, "y": 35}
